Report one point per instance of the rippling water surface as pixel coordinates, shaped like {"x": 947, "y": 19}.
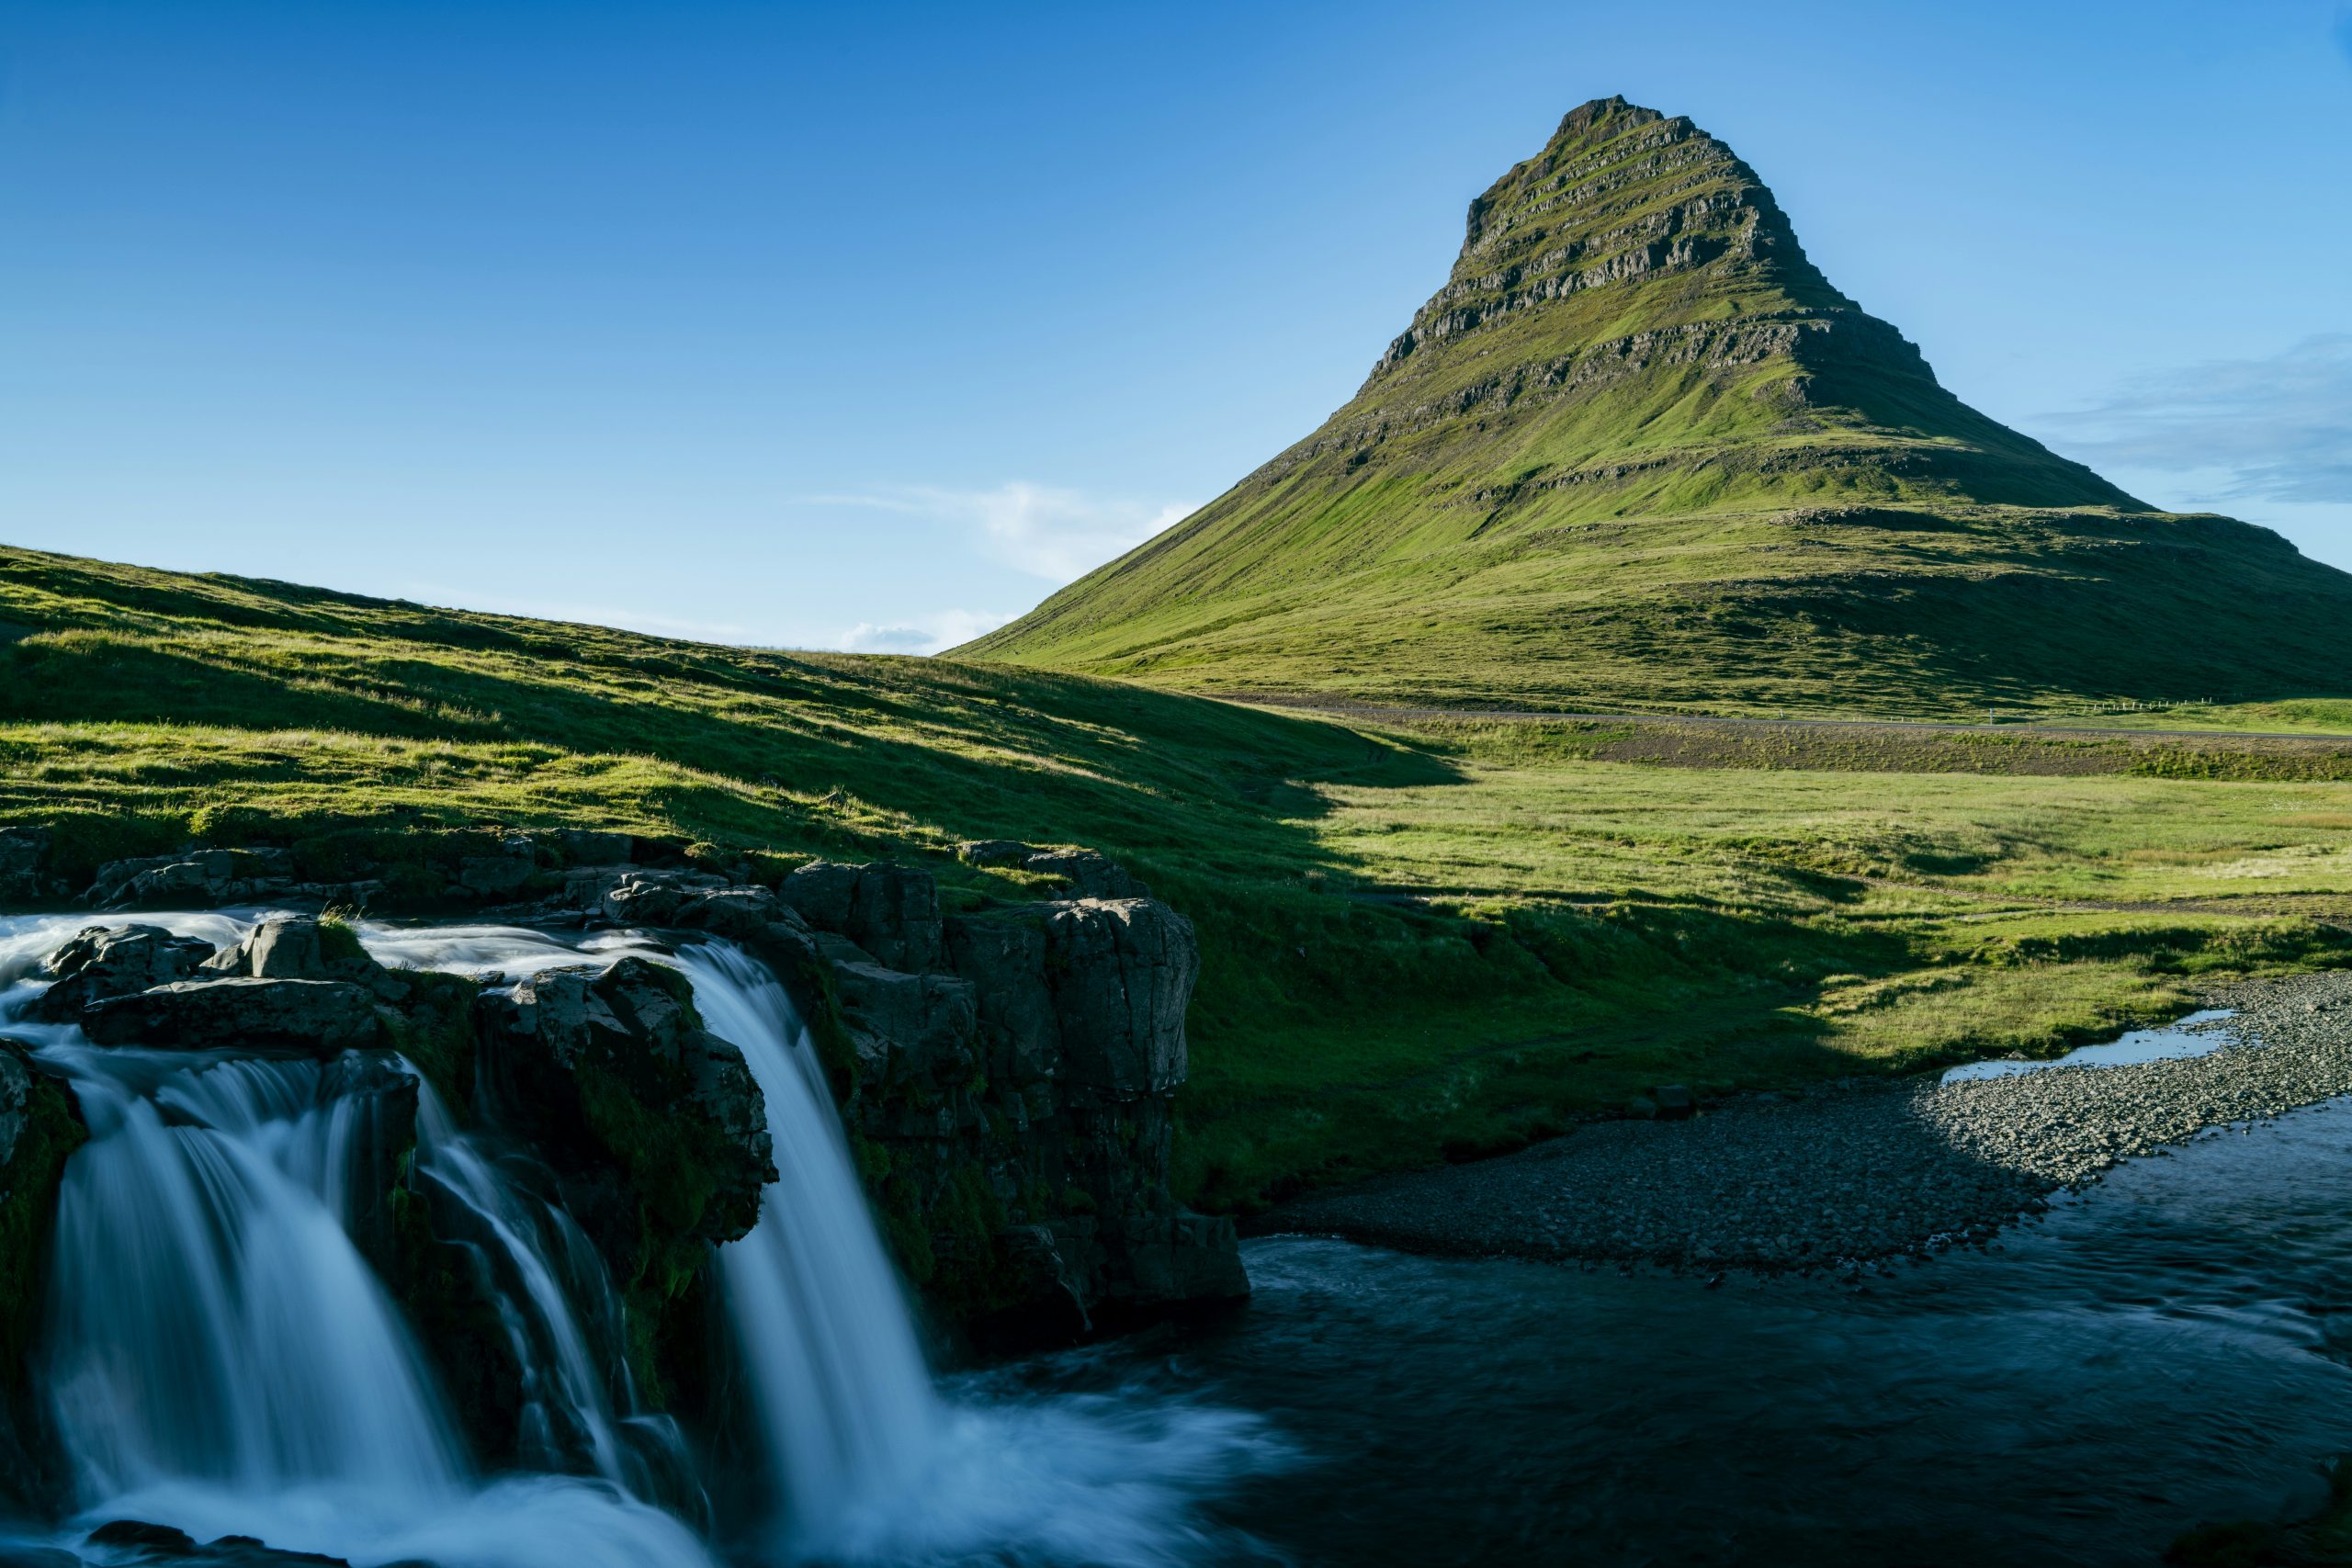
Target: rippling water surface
{"x": 2169, "y": 1349}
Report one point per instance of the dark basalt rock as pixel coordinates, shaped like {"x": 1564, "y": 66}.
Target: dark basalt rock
{"x": 302, "y": 947}
{"x": 1007, "y": 1077}
{"x": 165, "y": 1544}
{"x": 116, "y": 961}
{"x": 994, "y": 852}
{"x": 322, "y": 1017}
{"x": 197, "y": 878}
{"x": 40, "y": 1126}
{"x": 23, "y": 876}
{"x": 1121, "y": 972}
{"x": 655, "y": 1131}
{"x": 1088, "y": 874}
{"x": 137, "y": 1535}
{"x": 891, "y": 911}
{"x": 616, "y": 1069}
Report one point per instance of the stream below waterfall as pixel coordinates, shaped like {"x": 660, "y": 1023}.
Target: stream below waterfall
{"x": 2167, "y": 1349}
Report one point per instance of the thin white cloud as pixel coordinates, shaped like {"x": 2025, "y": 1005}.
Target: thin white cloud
{"x": 924, "y": 634}
{"x": 2276, "y": 429}
{"x": 1049, "y": 532}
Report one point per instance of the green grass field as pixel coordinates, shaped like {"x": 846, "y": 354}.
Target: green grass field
{"x": 1419, "y": 942}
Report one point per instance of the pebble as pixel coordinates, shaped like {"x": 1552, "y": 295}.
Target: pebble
{"x": 1867, "y": 1171}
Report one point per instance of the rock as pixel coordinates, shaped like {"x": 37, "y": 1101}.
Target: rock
{"x": 1028, "y": 1096}
{"x": 115, "y": 961}
{"x": 581, "y": 846}
{"x": 1004, "y": 959}
{"x": 163, "y": 1544}
{"x": 909, "y": 1025}
{"x": 1121, "y": 972}
{"x": 994, "y": 852}
{"x": 1052, "y": 1298}
{"x": 502, "y": 874}
{"x": 278, "y": 950}
{"x": 1199, "y": 1261}
{"x": 1089, "y": 873}
{"x": 41, "y": 1125}
{"x": 322, "y": 1017}
{"x": 822, "y": 892}
{"x": 197, "y": 877}
{"x": 1674, "y": 1103}
{"x": 302, "y": 947}
{"x": 891, "y": 911}
{"x": 22, "y": 852}
{"x": 137, "y": 1535}
{"x": 616, "y": 1070}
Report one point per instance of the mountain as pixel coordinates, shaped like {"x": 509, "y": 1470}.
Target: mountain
{"x": 1639, "y": 453}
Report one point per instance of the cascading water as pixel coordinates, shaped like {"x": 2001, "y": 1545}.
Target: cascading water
{"x": 222, "y": 1357}
{"x": 579, "y": 1404}
{"x": 212, "y": 1322}
{"x": 868, "y": 1462}
{"x": 844, "y": 1398}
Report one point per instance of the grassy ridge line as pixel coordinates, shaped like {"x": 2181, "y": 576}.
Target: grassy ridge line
{"x": 1728, "y": 927}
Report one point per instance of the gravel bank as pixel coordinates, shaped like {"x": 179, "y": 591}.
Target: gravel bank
{"x": 1847, "y": 1174}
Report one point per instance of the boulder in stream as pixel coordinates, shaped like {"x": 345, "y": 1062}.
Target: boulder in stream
{"x": 304, "y": 947}
{"x": 322, "y": 1017}
{"x": 116, "y": 961}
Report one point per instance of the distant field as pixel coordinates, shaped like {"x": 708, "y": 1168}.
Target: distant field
{"x": 2315, "y": 716}
{"x": 1419, "y": 940}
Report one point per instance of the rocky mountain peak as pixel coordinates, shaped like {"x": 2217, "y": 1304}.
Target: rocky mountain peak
{"x": 1620, "y": 198}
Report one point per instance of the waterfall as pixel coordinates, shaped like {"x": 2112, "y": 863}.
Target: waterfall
{"x": 867, "y": 1462}
{"x": 212, "y": 1321}
{"x": 222, "y": 1357}
{"x": 845, "y": 1401}
{"x": 531, "y": 1259}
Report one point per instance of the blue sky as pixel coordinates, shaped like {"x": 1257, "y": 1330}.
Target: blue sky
{"x": 867, "y": 325}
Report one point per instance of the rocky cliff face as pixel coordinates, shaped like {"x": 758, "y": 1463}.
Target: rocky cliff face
{"x": 1007, "y": 1076}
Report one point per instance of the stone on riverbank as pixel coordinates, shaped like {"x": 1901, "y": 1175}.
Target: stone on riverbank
{"x": 1844, "y": 1176}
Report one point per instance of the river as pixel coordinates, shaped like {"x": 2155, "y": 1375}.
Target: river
{"x": 2170, "y": 1349}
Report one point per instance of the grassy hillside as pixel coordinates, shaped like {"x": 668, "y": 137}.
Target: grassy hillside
{"x": 1638, "y": 454}
{"x": 1415, "y": 940}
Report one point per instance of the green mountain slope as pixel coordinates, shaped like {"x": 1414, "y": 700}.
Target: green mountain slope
{"x": 1638, "y": 452}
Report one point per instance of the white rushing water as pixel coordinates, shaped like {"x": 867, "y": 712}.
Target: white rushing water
{"x": 844, "y": 1398}
{"x": 560, "y": 1313}
{"x": 222, "y": 1357}
{"x": 868, "y": 1462}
